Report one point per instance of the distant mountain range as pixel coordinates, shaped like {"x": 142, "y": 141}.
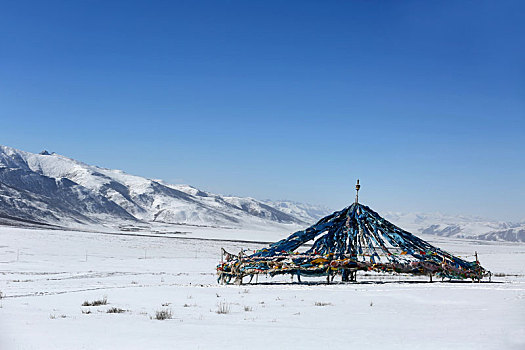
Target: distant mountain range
{"x": 50, "y": 189}
{"x": 459, "y": 226}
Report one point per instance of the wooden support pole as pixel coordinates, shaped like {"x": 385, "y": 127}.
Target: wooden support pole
{"x": 345, "y": 275}
{"x": 328, "y": 277}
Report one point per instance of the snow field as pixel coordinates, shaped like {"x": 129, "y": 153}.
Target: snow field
{"x": 45, "y": 277}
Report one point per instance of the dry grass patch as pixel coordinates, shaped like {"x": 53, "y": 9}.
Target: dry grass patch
{"x": 115, "y": 310}
{"x": 163, "y": 314}
{"x": 320, "y": 303}
{"x": 223, "y": 308}
{"x": 99, "y": 302}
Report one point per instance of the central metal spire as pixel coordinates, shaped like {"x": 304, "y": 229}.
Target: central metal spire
{"x": 357, "y": 187}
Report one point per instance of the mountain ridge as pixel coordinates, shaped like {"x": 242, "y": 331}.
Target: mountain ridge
{"x": 55, "y": 189}
{"x": 51, "y": 189}
{"x": 458, "y": 226}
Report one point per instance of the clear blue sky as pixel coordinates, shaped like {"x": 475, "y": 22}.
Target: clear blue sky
{"x": 424, "y": 101}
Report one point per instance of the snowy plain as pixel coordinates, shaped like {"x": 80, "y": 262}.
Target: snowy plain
{"x": 46, "y": 276}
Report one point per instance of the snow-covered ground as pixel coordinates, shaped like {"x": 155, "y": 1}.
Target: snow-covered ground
{"x": 46, "y": 275}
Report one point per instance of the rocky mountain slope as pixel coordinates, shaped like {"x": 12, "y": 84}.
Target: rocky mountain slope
{"x": 53, "y": 189}
{"x": 303, "y": 211}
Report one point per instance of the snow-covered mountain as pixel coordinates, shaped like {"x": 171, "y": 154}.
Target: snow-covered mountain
{"x": 303, "y": 211}
{"x": 50, "y": 189}
{"x": 53, "y": 189}
{"x": 459, "y": 226}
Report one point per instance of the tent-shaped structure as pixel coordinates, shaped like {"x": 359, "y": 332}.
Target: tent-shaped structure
{"x": 353, "y": 239}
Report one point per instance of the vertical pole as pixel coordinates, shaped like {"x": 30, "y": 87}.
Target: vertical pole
{"x": 345, "y": 275}
{"x": 221, "y": 276}
{"x": 357, "y": 187}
